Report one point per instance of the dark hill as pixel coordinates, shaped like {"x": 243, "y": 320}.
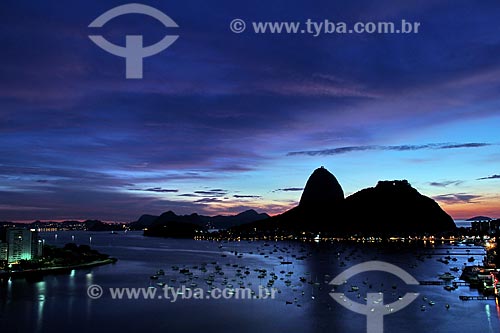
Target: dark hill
{"x": 96, "y": 225}
{"x": 143, "y": 222}
{"x": 322, "y": 189}
{"x": 395, "y": 206}
{"x": 390, "y": 207}
{"x": 170, "y": 224}
{"x": 321, "y": 205}
{"x": 224, "y": 222}
{"x": 480, "y": 218}
{"x": 173, "y": 229}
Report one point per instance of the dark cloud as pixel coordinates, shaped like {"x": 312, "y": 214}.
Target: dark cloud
{"x": 464, "y": 145}
{"x": 66, "y": 204}
{"x": 156, "y": 189}
{"x": 490, "y": 177}
{"x": 446, "y": 183}
{"x": 208, "y": 200}
{"x": 246, "y": 196}
{"x": 456, "y": 198}
{"x": 289, "y": 189}
{"x": 211, "y": 193}
{"x": 344, "y": 150}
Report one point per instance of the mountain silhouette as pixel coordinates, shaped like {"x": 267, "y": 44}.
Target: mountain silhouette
{"x": 395, "y": 206}
{"x": 391, "y": 206}
{"x": 175, "y": 225}
{"x": 143, "y": 222}
{"x": 320, "y": 205}
{"x": 169, "y": 224}
{"x": 480, "y": 218}
{"x": 322, "y": 189}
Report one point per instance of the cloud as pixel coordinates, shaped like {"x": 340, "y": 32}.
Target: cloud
{"x": 464, "y": 145}
{"x": 349, "y": 149}
{"x": 289, "y": 189}
{"x": 490, "y": 177}
{"x": 66, "y": 204}
{"x": 211, "y": 193}
{"x": 208, "y": 200}
{"x": 456, "y": 198}
{"x": 246, "y": 196}
{"x": 156, "y": 189}
{"x": 446, "y": 183}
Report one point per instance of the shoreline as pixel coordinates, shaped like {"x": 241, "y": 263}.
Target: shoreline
{"x": 56, "y": 270}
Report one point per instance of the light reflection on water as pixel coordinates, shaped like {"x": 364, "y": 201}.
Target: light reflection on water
{"x": 40, "y": 286}
{"x": 60, "y": 302}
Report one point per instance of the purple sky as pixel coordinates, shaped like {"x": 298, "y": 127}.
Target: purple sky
{"x": 224, "y": 122}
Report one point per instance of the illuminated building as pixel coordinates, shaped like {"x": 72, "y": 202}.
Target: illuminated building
{"x": 23, "y": 244}
{"x": 36, "y": 245}
{"x": 3, "y": 252}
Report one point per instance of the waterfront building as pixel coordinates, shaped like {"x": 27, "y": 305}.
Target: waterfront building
{"x": 22, "y": 244}
{"x": 36, "y": 244}
{"x": 486, "y": 227}
{"x": 3, "y": 252}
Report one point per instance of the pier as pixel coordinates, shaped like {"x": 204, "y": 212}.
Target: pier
{"x": 477, "y": 298}
{"x": 461, "y": 283}
{"x": 454, "y": 254}
{"x": 443, "y": 283}
{"x": 432, "y": 283}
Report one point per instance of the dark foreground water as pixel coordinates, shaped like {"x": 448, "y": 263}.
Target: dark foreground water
{"x": 60, "y": 302}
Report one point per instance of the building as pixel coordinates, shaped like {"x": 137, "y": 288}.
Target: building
{"x": 486, "y": 227}
{"x": 36, "y": 245}
{"x": 495, "y": 226}
{"x": 3, "y": 253}
{"x": 480, "y": 227}
{"x": 19, "y": 242}
{"x": 23, "y": 244}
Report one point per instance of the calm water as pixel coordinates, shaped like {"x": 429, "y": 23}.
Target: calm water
{"x": 60, "y": 302}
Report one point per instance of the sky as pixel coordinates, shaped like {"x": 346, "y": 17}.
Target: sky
{"x": 223, "y": 122}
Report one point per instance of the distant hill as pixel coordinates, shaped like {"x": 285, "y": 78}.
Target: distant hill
{"x": 96, "y": 225}
{"x": 165, "y": 227}
{"x": 480, "y": 218}
{"x": 169, "y": 224}
{"x": 391, "y": 206}
{"x": 224, "y": 222}
{"x": 90, "y": 225}
{"x": 143, "y": 222}
{"x": 216, "y": 222}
